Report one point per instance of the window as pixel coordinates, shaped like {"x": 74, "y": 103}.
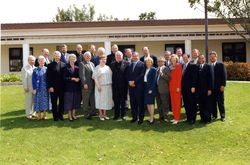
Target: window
{"x": 234, "y": 51}
{"x": 16, "y": 59}
{"x": 172, "y": 47}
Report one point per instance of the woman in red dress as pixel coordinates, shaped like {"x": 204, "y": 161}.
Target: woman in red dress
{"x": 175, "y": 87}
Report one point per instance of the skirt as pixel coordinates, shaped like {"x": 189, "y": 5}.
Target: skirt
{"x": 72, "y": 100}
{"x": 103, "y": 99}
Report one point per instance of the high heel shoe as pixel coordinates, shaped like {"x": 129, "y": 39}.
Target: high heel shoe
{"x": 152, "y": 122}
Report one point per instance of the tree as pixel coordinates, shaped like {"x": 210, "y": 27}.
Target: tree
{"x": 147, "y": 16}
{"x": 74, "y": 13}
{"x": 103, "y": 17}
{"x": 234, "y": 12}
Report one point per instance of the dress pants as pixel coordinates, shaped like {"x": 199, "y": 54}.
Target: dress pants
{"x": 189, "y": 100}
{"x": 176, "y": 104}
{"x": 137, "y": 104}
{"x": 88, "y": 98}
{"x": 29, "y": 98}
{"x": 57, "y": 109}
{"x": 205, "y": 107}
{"x": 218, "y": 99}
{"x": 162, "y": 100}
{"x": 119, "y": 97}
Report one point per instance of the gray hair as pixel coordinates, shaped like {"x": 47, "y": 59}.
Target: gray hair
{"x": 41, "y": 57}
{"x": 72, "y": 55}
{"x": 31, "y": 57}
{"x": 57, "y": 52}
{"x": 119, "y": 53}
{"x": 87, "y": 53}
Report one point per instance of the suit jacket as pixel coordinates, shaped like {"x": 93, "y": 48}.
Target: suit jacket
{"x": 151, "y": 80}
{"x": 110, "y": 59}
{"x": 85, "y": 74}
{"x": 65, "y": 57}
{"x": 79, "y": 58}
{"x": 119, "y": 76}
{"x": 55, "y": 75}
{"x": 70, "y": 85}
{"x": 137, "y": 74}
{"x": 95, "y": 59}
{"x": 219, "y": 75}
{"x": 154, "y": 60}
{"x": 189, "y": 77}
{"x": 163, "y": 80}
{"x": 205, "y": 80}
{"x": 27, "y": 72}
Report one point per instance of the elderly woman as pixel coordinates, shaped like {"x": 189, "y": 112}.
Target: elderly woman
{"x": 40, "y": 89}
{"x": 175, "y": 87}
{"x": 27, "y": 72}
{"x": 72, "y": 88}
{"x": 150, "y": 87}
{"x": 102, "y": 76}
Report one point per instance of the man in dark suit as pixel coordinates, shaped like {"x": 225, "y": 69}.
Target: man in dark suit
{"x": 55, "y": 85}
{"x": 145, "y": 52}
{"x": 162, "y": 98}
{"x": 79, "y": 55}
{"x": 135, "y": 78}
{"x": 111, "y": 57}
{"x": 119, "y": 85}
{"x": 128, "y": 55}
{"x": 188, "y": 87}
{"x": 204, "y": 89}
{"x": 220, "y": 77}
{"x": 167, "y": 56}
{"x": 64, "y": 54}
{"x": 94, "y": 57}
{"x": 45, "y": 53}
{"x": 86, "y": 68}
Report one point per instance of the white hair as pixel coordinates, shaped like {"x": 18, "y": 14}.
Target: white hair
{"x": 31, "y": 57}
{"x": 87, "y": 53}
{"x": 57, "y": 52}
{"x": 41, "y": 57}
{"x": 72, "y": 55}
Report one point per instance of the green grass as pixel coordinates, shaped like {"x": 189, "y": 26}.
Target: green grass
{"x": 112, "y": 142}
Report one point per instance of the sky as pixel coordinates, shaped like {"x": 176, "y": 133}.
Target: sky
{"x": 26, "y": 11}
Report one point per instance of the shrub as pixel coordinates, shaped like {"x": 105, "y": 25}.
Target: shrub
{"x": 10, "y": 77}
{"x": 238, "y": 71}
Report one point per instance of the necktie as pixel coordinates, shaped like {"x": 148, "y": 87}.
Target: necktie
{"x": 134, "y": 63}
{"x": 184, "y": 68}
{"x": 158, "y": 75}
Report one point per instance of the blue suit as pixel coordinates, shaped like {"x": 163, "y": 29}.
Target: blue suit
{"x": 150, "y": 85}
{"x": 136, "y": 73}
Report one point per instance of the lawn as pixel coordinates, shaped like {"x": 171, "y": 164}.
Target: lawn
{"x": 120, "y": 142}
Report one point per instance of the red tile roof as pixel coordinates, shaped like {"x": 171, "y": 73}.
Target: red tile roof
{"x": 51, "y": 25}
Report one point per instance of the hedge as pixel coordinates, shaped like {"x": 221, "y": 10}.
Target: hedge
{"x": 10, "y": 77}
{"x": 238, "y": 71}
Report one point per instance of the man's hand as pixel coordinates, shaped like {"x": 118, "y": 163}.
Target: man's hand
{"x": 193, "y": 90}
{"x": 222, "y": 88}
{"x": 85, "y": 86}
{"x": 51, "y": 90}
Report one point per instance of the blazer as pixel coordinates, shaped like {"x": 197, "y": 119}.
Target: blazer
{"x": 189, "y": 77}
{"x": 55, "y": 75}
{"x": 137, "y": 74}
{"x": 163, "y": 80}
{"x": 95, "y": 59}
{"x": 154, "y": 60}
{"x": 219, "y": 75}
{"x": 205, "y": 80}
{"x": 151, "y": 80}
{"x": 70, "y": 85}
{"x": 176, "y": 75}
{"x": 119, "y": 76}
{"x": 85, "y": 74}
{"x": 27, "y": 72}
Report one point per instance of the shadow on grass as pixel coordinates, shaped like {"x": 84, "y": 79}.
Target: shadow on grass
{"x": 10, "y": 123}
{"x": 14, "y": 113}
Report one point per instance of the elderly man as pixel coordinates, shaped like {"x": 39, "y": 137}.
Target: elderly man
{"x": 119, "y": 85}
{"x": 111, "y": 57}
{"x": 167, "y": 55}
{"x": 195, "y": 55}
{"x": 86, "y": 68}
{"x": 45, "y": 53}
{"x": 56, "y": 86}
{"x": 128, "y": 55}
{"x": 94, "y": 57}
{"x": 179, "y": 53}
{"x": 64, "y": 54}
{"x": 145, "y": 52}
{"x": 162, "y": 98}
{"x": 27, "y": 72}
{"x": 79, "y": 55}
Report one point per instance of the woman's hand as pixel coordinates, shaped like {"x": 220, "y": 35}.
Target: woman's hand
{"x": 34, "y": 91}
{"x": 99, "y": 88}
{"x": 85, "y": 86}
{"x": 150, "y": 92}
{"x": 178, "y": 90}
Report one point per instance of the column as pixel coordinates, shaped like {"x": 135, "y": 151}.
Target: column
{"x": 26, "y": 53}
{"x": 188, "y": 46}
{"x": 107, "y": 46}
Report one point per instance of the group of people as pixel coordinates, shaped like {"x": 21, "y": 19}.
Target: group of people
{"x": 115, "y": 81}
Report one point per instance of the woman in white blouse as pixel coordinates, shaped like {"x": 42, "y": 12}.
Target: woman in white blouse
{"x": 102, "y": 76}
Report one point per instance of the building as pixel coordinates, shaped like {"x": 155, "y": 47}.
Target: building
{"x": 18, "y": 40}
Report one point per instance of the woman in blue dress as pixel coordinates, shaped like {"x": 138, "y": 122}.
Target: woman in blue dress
{"x": 39, "y": 84}
{"x": 150, "y": 87}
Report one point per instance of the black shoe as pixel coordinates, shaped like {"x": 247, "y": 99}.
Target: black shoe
{"x": 89, "y": 117}
{"x": 140, "y": 122}
{"x": 115, "y": 118}
{"x": 133, "y": 120}
{"x": 152, "y": 122}
{"x": 191, "y": 122}
{"x": 214, "y": 117}
{"x": 123, "y": 118}
{"x": 55, "y": 119}
{"x": 223, "y": 119}
{"x": 61, "y": 118}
